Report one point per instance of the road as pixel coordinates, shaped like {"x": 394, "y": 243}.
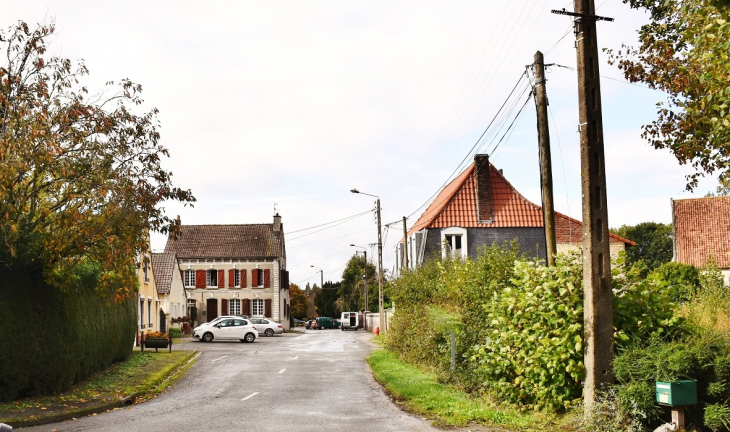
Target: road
{"x": 306, "y": 381}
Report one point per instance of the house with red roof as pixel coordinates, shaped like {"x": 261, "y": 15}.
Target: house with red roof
{"x": 702, "y": 231}
{"x": 481, "y": 208}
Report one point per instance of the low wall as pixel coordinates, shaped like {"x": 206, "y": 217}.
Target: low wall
{"x": 372, "y": 320}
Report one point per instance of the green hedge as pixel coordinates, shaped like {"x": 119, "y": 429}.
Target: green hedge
{"x": 53, "y": 339}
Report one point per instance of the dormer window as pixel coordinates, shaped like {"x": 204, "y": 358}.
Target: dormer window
{"x": 454, "y": 243}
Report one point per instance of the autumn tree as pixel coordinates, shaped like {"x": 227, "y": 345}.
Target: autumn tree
{"x": 299, "y": 302}
{"x": 684, "y": 51}
{"x": 81, "y": 176}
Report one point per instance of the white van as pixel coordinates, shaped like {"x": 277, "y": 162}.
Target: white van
{"x": 351, "y": 321}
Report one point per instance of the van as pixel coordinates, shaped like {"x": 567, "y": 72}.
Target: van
{"x": 327, "y": 323}
{"x": 351, "y": 320}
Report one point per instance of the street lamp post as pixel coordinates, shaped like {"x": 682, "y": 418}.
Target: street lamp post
{"x": 380, "y": 261}
{"x": 321, "y": 276}
{"x": 364, "y": 282}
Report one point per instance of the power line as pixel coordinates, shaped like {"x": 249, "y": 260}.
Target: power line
{"x": 328, "y": 223}
{"x": 332, "y": 226}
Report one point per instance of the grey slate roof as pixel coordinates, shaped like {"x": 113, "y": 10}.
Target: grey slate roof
{"x": 227, "y": 241}
{"x": 163, "y": 264}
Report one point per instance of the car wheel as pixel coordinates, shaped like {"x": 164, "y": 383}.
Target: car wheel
{"x": 269, "y": 332}
{"x": 207, "y": 337}
{"x": 250, "y": 337}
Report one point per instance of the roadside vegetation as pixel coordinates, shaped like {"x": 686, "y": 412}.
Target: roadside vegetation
{"x": 140, "y": 377}
{"x": 518, "y": 327}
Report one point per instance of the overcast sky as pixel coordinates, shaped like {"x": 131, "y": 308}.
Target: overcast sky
{"x": 296, "y": 103}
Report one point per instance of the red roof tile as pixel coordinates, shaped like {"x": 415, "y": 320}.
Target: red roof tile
{"x": 456, "y": 206}
{"x": 227, "y": 241}
{"x": 702, "y": 230}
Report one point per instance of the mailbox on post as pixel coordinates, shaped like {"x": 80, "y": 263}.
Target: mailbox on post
{"x": 677, "y": 394}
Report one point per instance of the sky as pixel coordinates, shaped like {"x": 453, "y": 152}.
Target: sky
{"x": 287, "y": 106}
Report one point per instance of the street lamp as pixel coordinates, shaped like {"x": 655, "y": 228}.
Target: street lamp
{"x": 321, "y": 276}
{"x": 364, "y": 271}
{"x": 380, "y": 260}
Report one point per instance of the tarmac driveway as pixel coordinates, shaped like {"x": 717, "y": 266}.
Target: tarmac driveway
{"x": 314, "y": 380}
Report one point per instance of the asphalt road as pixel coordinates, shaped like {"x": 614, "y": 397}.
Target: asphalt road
{"x": 316, "y": 380}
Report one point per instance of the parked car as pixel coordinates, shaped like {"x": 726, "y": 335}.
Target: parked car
{"x": 219, "y": 319}
{"x": 267, "y": 327}
{"x": 327, "y": 322}
{"x": 298, "y": 322}
{"x": 227, "y": 329}
{"x": 308, "y": 324}
{"x": 351, "y": 321}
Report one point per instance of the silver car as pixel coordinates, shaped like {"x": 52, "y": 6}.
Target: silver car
{"x": 267, "y": 327}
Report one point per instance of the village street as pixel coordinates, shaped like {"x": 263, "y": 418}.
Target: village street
{"x": 304, "y": 381}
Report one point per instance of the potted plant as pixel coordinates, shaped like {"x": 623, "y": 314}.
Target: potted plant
{"x": 156, "y": 340}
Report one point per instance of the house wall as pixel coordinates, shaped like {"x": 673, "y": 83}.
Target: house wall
{"x": 531, "y": 240}
{"x": 273, "y": 293}
{"x": 147, "y": 292}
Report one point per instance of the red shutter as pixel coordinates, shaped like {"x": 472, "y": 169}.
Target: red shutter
{"x": 199, "y": 278}
{"x": 254, "y": 278}
{"x": 221, "y": 279}
{"x": 246, "y": 306}
{"x": 267, "y": 278}
{"x": 267, "y": 308}
{"x": 244, "y": 282}
{"x": 224, "y": 306}
{"x": 231, "y": 278}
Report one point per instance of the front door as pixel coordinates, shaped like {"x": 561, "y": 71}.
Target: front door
{"x": 212, "y": 306}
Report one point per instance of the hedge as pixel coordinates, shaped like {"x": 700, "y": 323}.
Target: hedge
{"x": 52, "y": 338}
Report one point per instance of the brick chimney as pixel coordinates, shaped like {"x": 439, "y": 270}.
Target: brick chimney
{"x": 277, "y": 222}
{"x": 484, "y": 189}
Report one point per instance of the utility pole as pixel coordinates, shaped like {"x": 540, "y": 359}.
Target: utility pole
{"x": 546, "y": 170}
{"x": 364, "y": 280}
{"x": 597, "y": 307}
{"x": 405, "y": 244}
{"x": 381, "y": 303}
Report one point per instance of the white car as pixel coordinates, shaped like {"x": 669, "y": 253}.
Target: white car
{"x": 267, "y": 327}
{"x": 227, "y": 329}
{"x": 217, "y": 320}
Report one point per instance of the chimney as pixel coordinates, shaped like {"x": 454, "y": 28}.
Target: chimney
{"x": 277, "y": 222}
{"x": 483, "y": 189}
{"x": 178, "y": 220}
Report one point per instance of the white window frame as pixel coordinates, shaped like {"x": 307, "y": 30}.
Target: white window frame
{"x": 208, "y": 278}
{"x": 141, "y": 313}
{"x": 257, "y": 305}
{"x": 454, "y": 231}
{"x": 189, "y": 278}
{"x": 234, "y": 306}
{"x": 237, "y": 278}
{"x": 149, "y": 312}
{"x": 146, "y": 270}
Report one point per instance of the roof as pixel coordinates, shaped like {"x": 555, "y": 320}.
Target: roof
{"x": 228, "y": 241}
{"x": 456, "y": 205}
{"x": 702, "y": 230}
{"x": 163, "y": 264}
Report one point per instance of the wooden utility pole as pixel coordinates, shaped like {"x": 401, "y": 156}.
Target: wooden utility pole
{"x": 405, "y": 244}
{"x": 381, "y": 303}
{"x": 546, "y": 170}
{"x": 597, "y": 307}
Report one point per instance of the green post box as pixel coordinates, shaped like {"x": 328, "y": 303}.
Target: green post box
{"x": 676, "y": 393}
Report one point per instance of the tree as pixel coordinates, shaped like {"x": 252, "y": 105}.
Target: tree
{"x": 654, "y": 244}
{"x": 299, "y": 302}
{"x": 81, "y": 179}
{"x": 326, "y": 299}
{"x": 351, "y": 293}
{"x": 723, "y": 189}
{"x": 684, "y": 52}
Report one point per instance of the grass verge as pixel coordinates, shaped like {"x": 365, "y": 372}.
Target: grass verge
{"x": 422, "y": 394}
{"x": 140, "y": 377}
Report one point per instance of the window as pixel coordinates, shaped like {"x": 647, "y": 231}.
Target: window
{"x": 189, "y": 279}
{"x": 149, "y": 312}
{"x": 234, "y": 307}
{"x": 257, "y": 278}
{"x": 211, "y": 278}
{"x": 146, "y": 270}
{"x": 237, "y": 278}
{"x": 141, "y": 313}
{"x": 454, "y": 243}
{"x": 258, "y": 307}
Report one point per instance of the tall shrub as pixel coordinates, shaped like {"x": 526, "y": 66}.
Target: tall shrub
{"x": 54, "y": 338}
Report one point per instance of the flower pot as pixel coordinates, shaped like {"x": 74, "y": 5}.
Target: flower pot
{"x": 156, "y": 343}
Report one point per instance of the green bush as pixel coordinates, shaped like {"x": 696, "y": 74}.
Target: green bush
{"x": 681, "y": 280}
{"x": 52, "y": 338}
{"x": 175, "y": 332}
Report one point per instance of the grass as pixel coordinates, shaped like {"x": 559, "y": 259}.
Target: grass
{"x": 144, "y": 375}
{"x": 421, "y": 393}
